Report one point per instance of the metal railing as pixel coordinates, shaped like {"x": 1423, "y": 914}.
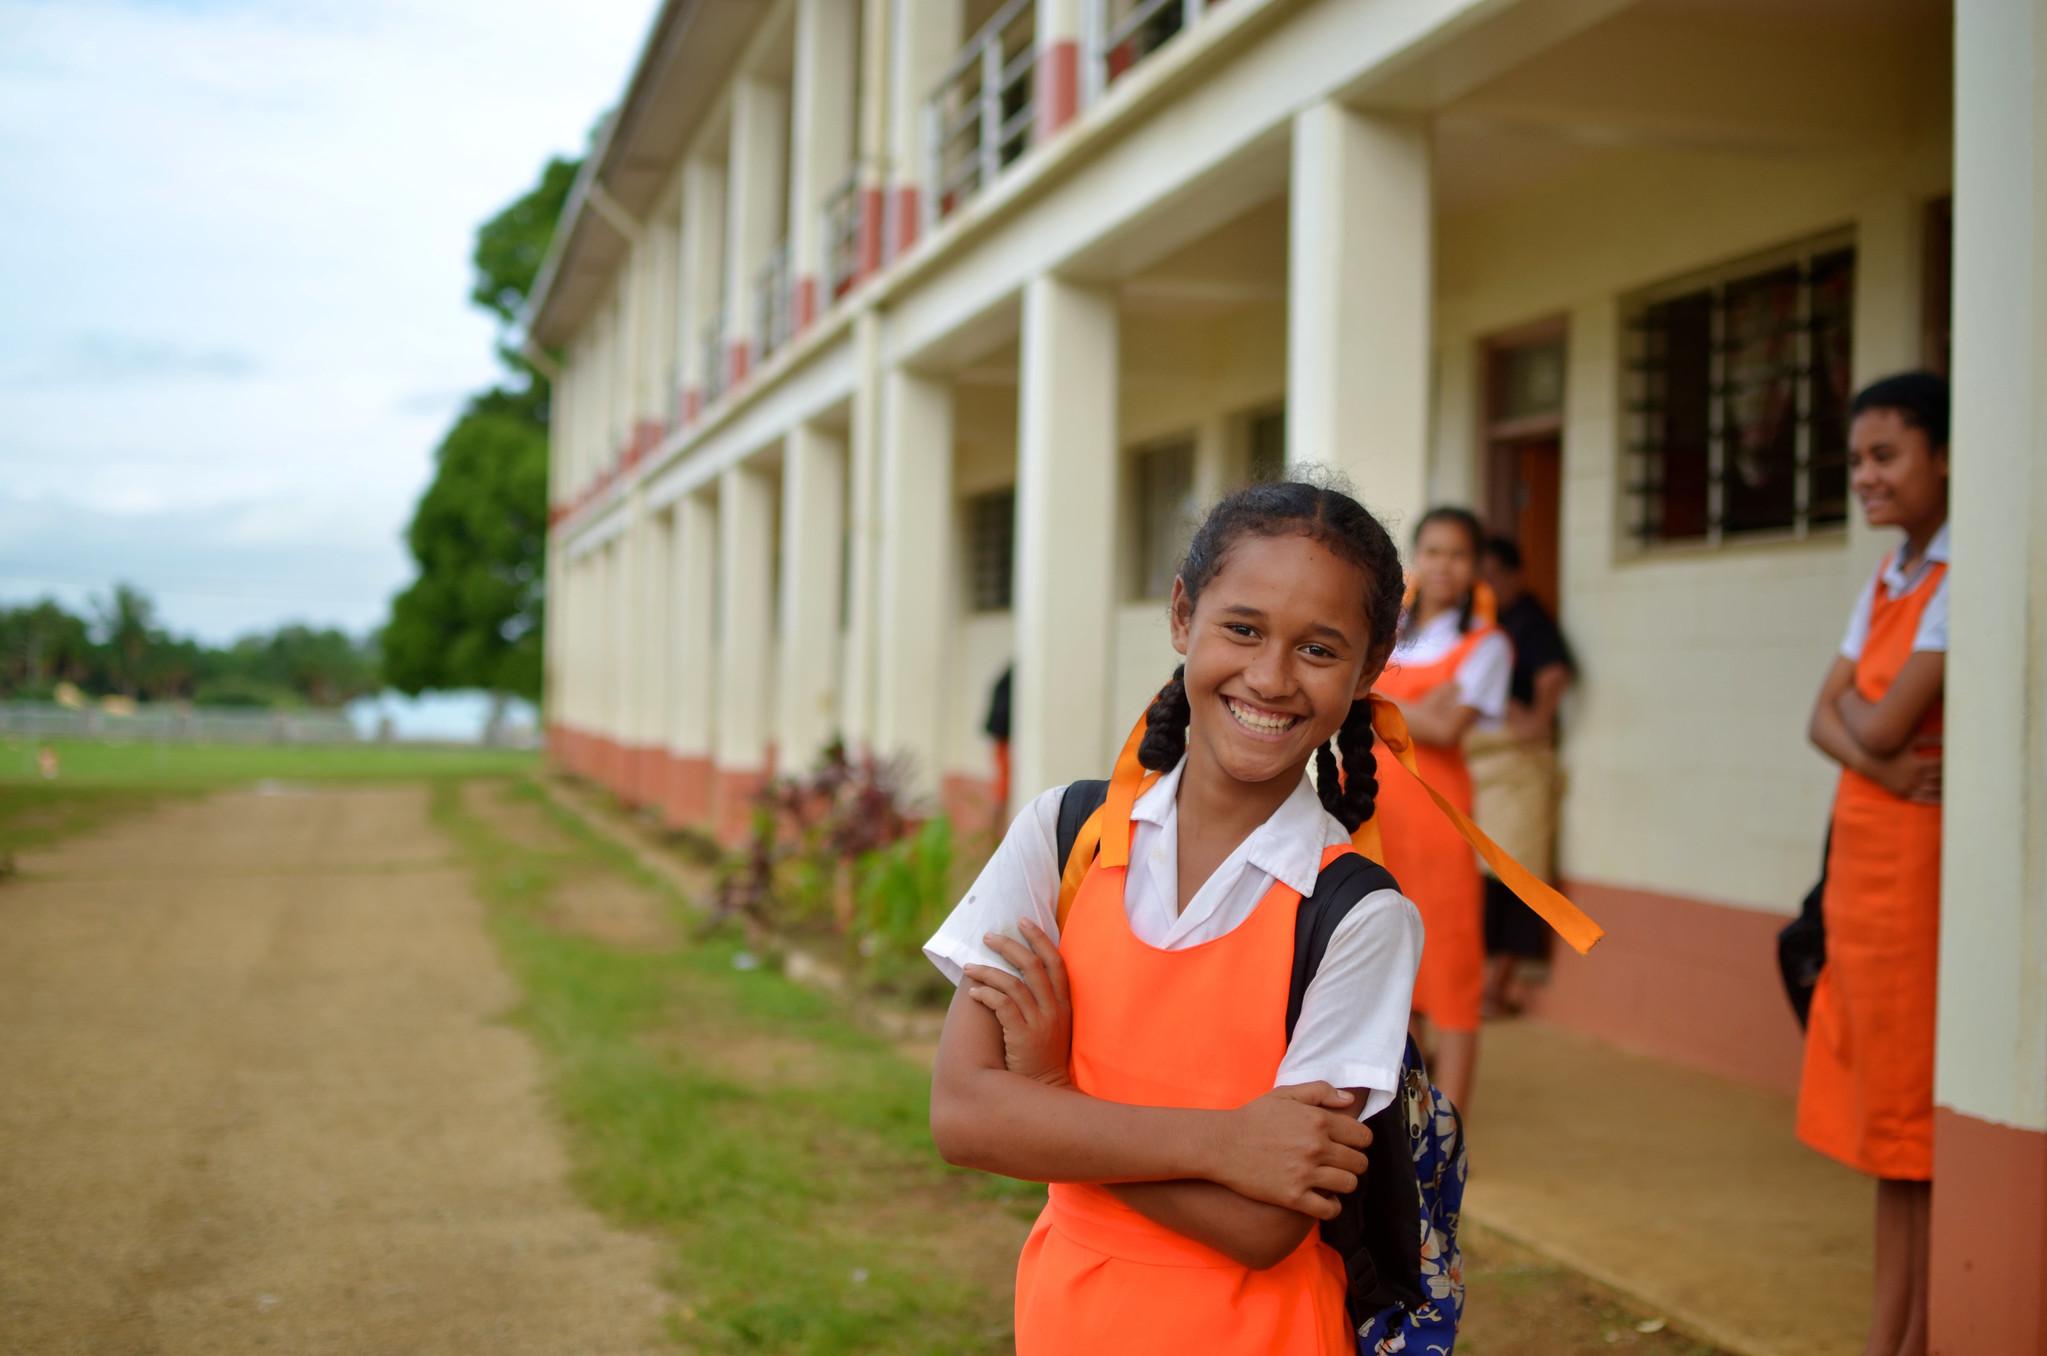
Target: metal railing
{"x": 1126, "y": 33}
{"x": 978, "y": 118}
{"x": 175, "y": 724}
{"x": 773, "y": 313}
{"x": 841, "y": 238}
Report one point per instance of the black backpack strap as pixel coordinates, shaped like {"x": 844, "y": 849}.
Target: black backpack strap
{"x": 1378, "y": 1233}
{"x": 1076, "y": 803}
{"x": 1338, "y": 889}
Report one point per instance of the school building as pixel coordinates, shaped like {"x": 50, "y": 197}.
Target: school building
{"x": 899, "y": 341}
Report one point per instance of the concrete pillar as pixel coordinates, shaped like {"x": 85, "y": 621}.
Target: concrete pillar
{"x": 746, "y": 570}
{"x": 821, "y": 152}
{"x": 653, "y": 653}
{"x": 915, "y": 574}
{"x": 926, "y": 37}
{"x": 1060, "y": 41}
{"x": 813, "y": 538}
{"x": 620, "y": 646}
{"x": 1889, "y": 271}
{"x": 863, "y": 531}
{"x": 660, "y": 379}
{"x": 701, "y": 280}
{"x": 1989, "y": 1247}
{"x": 691, "y": 703}
{"x": 755, "y": 207}
{"x": 1067, "y": 475}
{"x": 874, "y": 122}
{"x": 1358, "y": 285}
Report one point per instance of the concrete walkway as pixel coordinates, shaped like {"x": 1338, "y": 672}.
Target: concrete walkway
{"x": 1682, "y": 1190}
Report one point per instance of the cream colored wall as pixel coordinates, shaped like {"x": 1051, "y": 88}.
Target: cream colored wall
{"x": 1686, "y": 752}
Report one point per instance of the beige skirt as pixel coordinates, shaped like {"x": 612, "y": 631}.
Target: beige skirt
{"x": 1514, "y": 795}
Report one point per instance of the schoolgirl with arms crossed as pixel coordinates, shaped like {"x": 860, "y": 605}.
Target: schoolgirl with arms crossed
{"x": 1190, "y": 1146}
{"x": 1866, "y": 1095}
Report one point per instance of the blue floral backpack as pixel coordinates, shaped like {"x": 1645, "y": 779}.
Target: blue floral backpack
{"x": 1397, "y": 1234}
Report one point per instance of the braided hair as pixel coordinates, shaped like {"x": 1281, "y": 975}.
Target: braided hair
{"x": 1466, "y": 520}
{"x": 1346, "y": 778}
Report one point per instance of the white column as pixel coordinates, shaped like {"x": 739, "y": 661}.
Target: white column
{"x": 821, "y": 151}
{"x": 863, "y": 530}
{"x": 1993, "y": 1014}
{"x": 1889, "y": 241}
{"x": 754, "y": 203}
{"x": 1057, "y": 93}
{"x": 692, "y": 636}
{"x": 1358, "y": 284}
{"x": 746, "y": 535}
{"x": 1066, "y": 521}
{"x": 701, "y": 283}
{"x": 618, "y": 641}
{"x": 652, "y": 617}
{"x": 658, "y": 333}
{"x": 927, "y": 37}
{"x": 813, "y": 538}
{"x": 915, "y": 574}
{"x": 876, "y": 91}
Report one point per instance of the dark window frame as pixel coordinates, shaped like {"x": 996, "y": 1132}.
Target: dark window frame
{"x": 1735, "y": 393}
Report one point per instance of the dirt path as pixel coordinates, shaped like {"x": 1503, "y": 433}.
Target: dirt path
{"x": 254, "y": 1096}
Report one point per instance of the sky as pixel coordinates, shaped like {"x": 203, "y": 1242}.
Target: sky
{"x": 234, "y": 277}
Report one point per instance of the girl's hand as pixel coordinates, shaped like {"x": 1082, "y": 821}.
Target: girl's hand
{"x": 1036, "y": 1011}
{"x": 1912, "y": 773}
{"x": 1300, "y": 1147}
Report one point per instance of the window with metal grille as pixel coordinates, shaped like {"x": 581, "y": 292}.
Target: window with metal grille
{"x": 991, "y": 550}
{"x": 1163, "y": 499}
{"x": 1738, "y": 399}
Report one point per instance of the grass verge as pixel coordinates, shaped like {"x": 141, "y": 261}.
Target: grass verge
{"x": 783, "y": 1151}
{"x": 98, "y": 782}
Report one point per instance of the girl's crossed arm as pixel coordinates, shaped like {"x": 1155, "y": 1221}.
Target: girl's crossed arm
{"x": 1034, "y": 1018}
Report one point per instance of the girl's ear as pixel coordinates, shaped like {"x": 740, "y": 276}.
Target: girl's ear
{"x": 1180, "y": 616}
{"x": 1367, "y": 676}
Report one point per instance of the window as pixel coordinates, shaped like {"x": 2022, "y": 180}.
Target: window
{"x": 991, "y": 550}
{"x": 1163, "y": 496}
{"x": 1738, "y": 400}
{"x": 1267, "y": 439}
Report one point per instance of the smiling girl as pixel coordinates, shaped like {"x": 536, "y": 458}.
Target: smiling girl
{"x": 1866, "y": 1097}
{"x": 1192, "y": 1146}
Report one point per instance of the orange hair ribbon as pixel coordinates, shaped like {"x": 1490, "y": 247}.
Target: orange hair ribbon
{"x": 1569, "y": 921}
{"x": 1130, "y": 780}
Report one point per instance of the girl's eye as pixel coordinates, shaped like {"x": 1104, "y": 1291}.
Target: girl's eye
{"x": 1239, "y": 629}
{"x": 1320, "y": 651}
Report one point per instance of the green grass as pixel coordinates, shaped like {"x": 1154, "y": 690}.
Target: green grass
{"x": 201, "y": 766}
{"x": 98, "y": 782}
{"x": 784, "y": 1151}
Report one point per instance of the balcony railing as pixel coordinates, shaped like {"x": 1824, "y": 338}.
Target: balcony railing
{"x": 1125, "y": 32}
{"x": 842, "y": 237}
{"x": 773, "y": 316}
{"x": 978, "y": 118}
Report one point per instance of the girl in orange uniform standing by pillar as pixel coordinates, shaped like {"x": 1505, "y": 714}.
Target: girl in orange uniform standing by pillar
{"x": 1866, "y": 1097}
{"x": 1450, "y": 667}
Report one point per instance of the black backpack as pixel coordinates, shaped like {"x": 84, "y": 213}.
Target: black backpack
{"x": 1379, "y": 1233}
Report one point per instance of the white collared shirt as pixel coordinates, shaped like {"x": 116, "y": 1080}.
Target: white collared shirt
{"x": 1482, "y": 676}
{"x": 1353, "y": 1022}
{"x": 1899, "y": 581}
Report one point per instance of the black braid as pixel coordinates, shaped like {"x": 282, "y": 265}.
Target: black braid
{"x": 1360, "y": 768}
{"x": 1165, "y": 725}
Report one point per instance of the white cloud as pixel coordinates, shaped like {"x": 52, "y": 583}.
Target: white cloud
{"x": 234, "y": 272}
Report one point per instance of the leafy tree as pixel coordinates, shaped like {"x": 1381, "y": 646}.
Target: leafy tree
{"x": 126, "y": 623}
{"x": 472, "y": 619}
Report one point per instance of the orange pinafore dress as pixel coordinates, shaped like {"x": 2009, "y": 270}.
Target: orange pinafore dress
{"x": 1866, "y": 1095}
{"x": 1198, "y": 1027}
{"x": 1429, "y": 857}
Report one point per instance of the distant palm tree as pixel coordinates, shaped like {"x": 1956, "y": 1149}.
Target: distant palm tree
{"x": 127, "y": 626}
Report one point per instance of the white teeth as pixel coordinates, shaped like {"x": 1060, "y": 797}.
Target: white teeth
{"x": 1263, "y": 724}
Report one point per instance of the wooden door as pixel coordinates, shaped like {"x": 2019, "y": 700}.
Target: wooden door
{"x": 1525, "y": 483}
